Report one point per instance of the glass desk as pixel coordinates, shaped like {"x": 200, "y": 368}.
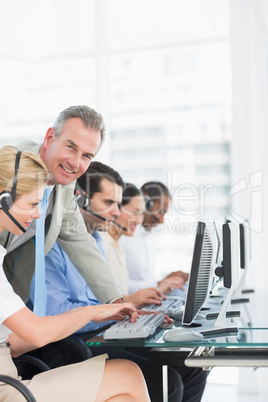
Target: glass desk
{"x": 248, "y": 348}
{"x": 246, "y": 337}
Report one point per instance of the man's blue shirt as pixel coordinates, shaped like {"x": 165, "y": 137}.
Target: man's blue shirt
{"x": 66, "y": 288}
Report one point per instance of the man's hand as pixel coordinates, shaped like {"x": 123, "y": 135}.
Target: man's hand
{"x": 168, "y": 284}
{"x": 181, "y": 274}
{"x": 145, "y": 296}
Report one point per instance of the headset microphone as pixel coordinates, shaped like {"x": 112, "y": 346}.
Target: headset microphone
{"x": 121, "y": 227}
{"x": 104, "y": 219}
{"x": 7, "y": 198}
{"x": 97, "y": 215}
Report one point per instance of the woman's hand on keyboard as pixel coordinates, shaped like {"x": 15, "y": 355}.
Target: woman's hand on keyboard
{"x": 166, "y": 317}
{"x": 115, "y": 311}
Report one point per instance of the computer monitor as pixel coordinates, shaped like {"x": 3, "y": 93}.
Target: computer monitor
{"x": 246, "y": 260}
{"x": 217, "y": 280}
{"x": 244, "y": 249}
{"x": 202, "y": 270}
{"x": 204, "y": 267}
{"x": 244, "y": 239}
{"x": 245, "y": 245}
{"x": 217, "y": 228}
{"x": 230, "y": 266}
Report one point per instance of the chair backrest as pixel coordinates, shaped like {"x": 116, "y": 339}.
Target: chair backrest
{"x": 66, "y": 351}
{"x": 19, "y": 386}
{"x": 29, "y": 366}
{"x": 78, "y": 346}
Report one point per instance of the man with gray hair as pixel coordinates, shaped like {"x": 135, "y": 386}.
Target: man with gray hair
{"x": 67, "y": 151}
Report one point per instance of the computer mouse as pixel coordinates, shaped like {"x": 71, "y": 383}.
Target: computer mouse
{"x": 182, "y": 335}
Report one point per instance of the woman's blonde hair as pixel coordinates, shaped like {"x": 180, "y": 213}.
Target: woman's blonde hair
{"x": 32, "y": 172}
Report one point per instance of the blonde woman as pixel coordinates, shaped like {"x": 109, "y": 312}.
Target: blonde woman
{"x": 22, "y": 180}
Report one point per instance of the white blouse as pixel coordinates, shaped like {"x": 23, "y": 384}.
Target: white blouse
{"x": 10, "y": 303}
{"x": 116, "y": 261}
{"x": 140, "y": 254}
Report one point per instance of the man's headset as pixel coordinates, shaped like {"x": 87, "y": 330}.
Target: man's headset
{"x": 149, "y": 203}
{"x": 7, "y": 198}
{"x": 83, "y": 202}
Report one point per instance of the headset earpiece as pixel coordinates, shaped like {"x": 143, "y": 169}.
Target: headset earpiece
{"x": 6, "y": 197}
{"x": 149, "y": 203}
{"x": 6, "y": 200}
{"x": 80, "y": 198}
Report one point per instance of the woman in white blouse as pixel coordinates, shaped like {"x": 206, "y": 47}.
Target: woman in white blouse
{"x": 21, "y": 330}
{"x": 131, "y": 215}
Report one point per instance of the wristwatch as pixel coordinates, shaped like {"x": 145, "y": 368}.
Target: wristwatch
{"x": 113, "y": 300}
{"x": 5, "y": 345}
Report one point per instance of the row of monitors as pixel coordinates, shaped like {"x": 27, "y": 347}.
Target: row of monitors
{"x": 221, "y": 254}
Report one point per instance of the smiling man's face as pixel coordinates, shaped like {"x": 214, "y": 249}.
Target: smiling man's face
{"x": 69, "y": 155}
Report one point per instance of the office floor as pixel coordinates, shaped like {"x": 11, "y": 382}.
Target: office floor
{"x": 222, "y": 386}
{"x": 223, "y": 393}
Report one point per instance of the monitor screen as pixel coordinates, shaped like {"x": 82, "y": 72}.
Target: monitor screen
{"x": 242, "y": 246}
{"x": 245, "y": 245}
{"x": 202, "y": 270}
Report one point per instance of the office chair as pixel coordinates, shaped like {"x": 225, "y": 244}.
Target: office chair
{"x": 29, "y": 366}
{"x": 19, "y": 386}
{"x": 66, "y": 351}
{"x": 74, "y": 343}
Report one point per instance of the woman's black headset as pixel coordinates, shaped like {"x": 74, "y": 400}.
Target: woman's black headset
{"x": 7, "y": 198}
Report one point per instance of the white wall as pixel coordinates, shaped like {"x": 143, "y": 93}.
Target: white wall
{"x": 250, "y": 122}
{"x": 249, "y": 21}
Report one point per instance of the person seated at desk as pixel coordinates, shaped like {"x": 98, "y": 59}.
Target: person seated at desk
{"x": 131, "y": 217}
{"x": 98, "y": 196}
{"x": 140, "y": 250}
{"x": 23, "y": 177}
